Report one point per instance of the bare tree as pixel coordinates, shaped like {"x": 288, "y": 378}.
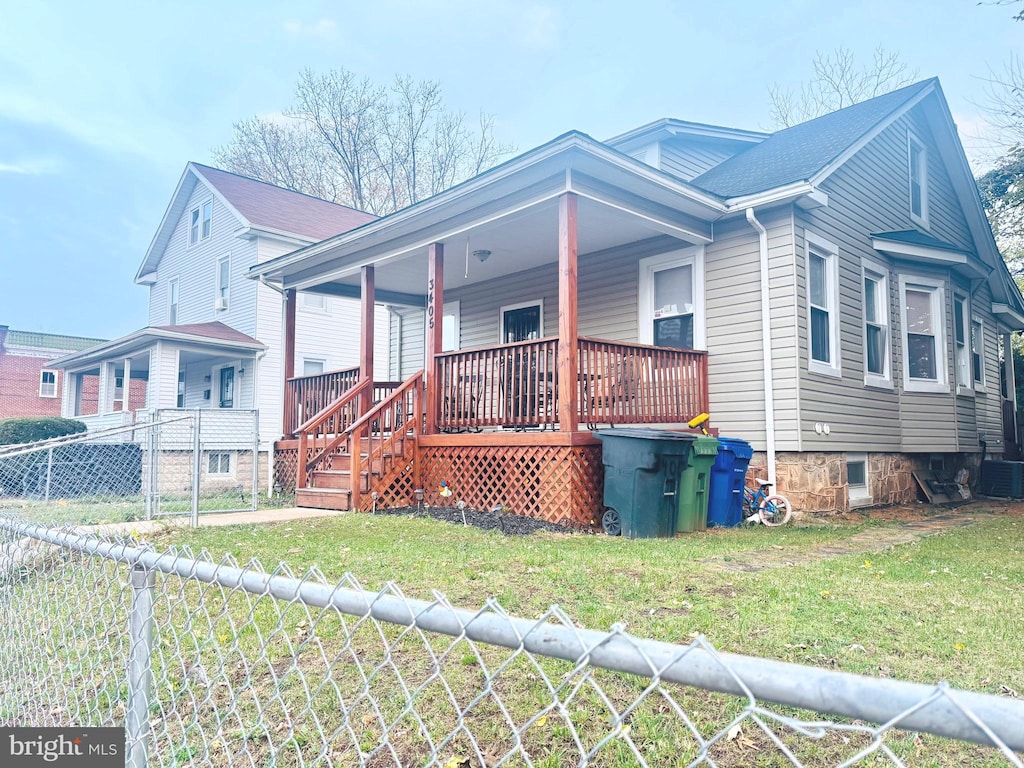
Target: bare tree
{"x": 838, "y": 82}
{"x": 377, "y": 149}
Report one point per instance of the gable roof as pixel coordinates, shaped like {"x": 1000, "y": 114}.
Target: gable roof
{"x": 257, "y": 206}
{"x": 265, "y": 206}
{"x": 215, "y": 336}
{"x": 801, "y": 152}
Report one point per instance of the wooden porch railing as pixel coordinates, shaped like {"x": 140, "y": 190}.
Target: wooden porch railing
{"x": 390, "y": 429}
{"x": 516, "y": 385}
{"x": 320, "y": 436}
{"x": 306, "y": 396}
{"x": 622, "y": 383}
{"x": 510, "y": 385}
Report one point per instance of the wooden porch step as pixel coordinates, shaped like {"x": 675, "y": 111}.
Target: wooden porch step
{"x": 339, "y": 479}
{"x": 323, "y": 498}
{"x": 343, "y": 462}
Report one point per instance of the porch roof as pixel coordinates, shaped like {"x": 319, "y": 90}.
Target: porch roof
{"x": 622, "y": 200}
{"x": 214, "y": 338}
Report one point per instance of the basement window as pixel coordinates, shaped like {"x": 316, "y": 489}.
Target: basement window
{"x": 218, "y": 463}
{"x": 857, "y": 479}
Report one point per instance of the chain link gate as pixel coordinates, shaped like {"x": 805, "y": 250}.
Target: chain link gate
{"x": 211, "y": 663}
{"x": 169, "y": 463}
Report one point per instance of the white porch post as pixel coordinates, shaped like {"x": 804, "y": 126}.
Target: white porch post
{"x": 105, "y": 394}
{"x": 126, "y": 389}
{"x": 68, "y": 396}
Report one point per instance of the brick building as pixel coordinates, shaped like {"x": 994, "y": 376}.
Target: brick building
{"x": 27, "y": 386}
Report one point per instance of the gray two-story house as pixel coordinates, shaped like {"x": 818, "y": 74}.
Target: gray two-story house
{"x": 830, "y": 292}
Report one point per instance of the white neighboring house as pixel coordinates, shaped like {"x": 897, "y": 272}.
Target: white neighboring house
{"x": 215, "y": 338}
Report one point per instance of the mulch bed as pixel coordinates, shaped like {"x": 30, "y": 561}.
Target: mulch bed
{"x": 505, "y": 522}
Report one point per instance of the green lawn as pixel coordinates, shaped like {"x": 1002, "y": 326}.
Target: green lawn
{"x": 947, "y": 607}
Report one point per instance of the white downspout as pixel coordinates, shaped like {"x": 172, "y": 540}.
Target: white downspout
{"x": 766, "y": 345}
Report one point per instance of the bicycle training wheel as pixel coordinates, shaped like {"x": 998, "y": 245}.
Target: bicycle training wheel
{"x": 775, "y": 510}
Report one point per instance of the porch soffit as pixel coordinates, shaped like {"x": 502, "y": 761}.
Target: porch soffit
{"x": 519, "y": 242}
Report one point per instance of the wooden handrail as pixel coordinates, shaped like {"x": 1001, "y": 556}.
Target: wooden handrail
{"x": 306, "y": 396}
{"x": 335, "y": 406}
{"x": 309, "y": 431}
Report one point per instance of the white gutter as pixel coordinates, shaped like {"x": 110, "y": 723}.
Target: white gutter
{"x": 766, "y": 344}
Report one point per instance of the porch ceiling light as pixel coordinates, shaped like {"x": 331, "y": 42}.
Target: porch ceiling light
{"x": 483, "y": 254}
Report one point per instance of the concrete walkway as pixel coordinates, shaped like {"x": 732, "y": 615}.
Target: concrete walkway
{"x": 262, "y": 516}
{"x": 866, "y": 542}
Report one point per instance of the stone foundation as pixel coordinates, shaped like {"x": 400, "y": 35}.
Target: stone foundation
{"x": 817, "y": 481}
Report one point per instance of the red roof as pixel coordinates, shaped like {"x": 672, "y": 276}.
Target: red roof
{"x": 270, "y": 207}
{"x": 216, "y": 330}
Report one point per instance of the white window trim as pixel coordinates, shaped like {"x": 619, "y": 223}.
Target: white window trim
{"x": 880, "y": 273}
{"x": 220, "y": 287}
{"x": 922, "y": 220}
{"x": 965, "y": 390}
{"x": 979, "y": 386}
{"x": 859, "y": 495}
{"x": 830, "y": 252}
{"x": 313, "y": 359}
{"x": 307, "y": 307}
{"x": 56, "y": 382}
{"x": 521, "y": 305}
{"x": 201, "y": 206}
{"x": 198, "y": 209}
{"x": 938, "y": 290}
{"x": 232, "y": 463}
{"x": 693, "y": 257}
{"x": 455, "y": 308}
{"x": 174, "y": 281}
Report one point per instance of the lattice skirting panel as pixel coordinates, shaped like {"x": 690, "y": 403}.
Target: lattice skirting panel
{"x": 560, "y": 484}
{"x": 286, "y": 464}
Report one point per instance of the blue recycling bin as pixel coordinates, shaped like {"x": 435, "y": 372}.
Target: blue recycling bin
{"x": 728, "y": 476}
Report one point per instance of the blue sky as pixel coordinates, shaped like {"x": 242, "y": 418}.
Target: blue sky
{"x": 103, "y": 103}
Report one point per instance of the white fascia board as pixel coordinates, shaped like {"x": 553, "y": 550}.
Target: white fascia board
{"x": 142, "y": 339}
{"x": 914, "y": 251}
{"x": 863, "y": 141}
{"x": 1010, "y": 312}
{"x": 668, "y": 127}
{"x": 488, "y": 178}
{"x": 800, "y": 190}
{"x": 289, "y": 238}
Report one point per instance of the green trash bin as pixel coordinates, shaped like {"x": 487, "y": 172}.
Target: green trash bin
{"x": 642, "y": 468}
{"x": 695, "y": 486}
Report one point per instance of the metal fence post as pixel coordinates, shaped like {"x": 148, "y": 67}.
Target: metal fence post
{"x": 255, "y": 459}
{"x": 140, "y": 671}
{"x": 197, "y": 467}
{"x": 49, "y": 471}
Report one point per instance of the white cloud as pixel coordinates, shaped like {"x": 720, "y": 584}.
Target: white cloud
{"x": 32, "y": 167}
{"x": 322, "y": 29}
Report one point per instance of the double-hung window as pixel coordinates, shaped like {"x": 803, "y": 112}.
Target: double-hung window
{"x": 924, "y": 343}
{"x": 223, "y": 282}
{"x": 978, "y": 353}
{"x": 200, "y": 222}
{"x": 822, "y": 305}
{"x": 961, "y": 333}
{"x": 876, "y": 326}
{"x": 47, "y": 383}
{"x": 671, "y": 300}
{"x": 917, "y": 159}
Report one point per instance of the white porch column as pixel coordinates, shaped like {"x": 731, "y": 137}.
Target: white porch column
{"x": 126, "y": 389}
{"x": 69, "y": 384}
{"x": 105, "y": 394}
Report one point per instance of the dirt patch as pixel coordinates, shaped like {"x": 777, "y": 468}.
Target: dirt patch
{"x": 505, "y": 522}
{"x": 919, "y": 512}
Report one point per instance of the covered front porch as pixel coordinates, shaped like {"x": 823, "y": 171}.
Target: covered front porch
{"x": 561, "y": 296}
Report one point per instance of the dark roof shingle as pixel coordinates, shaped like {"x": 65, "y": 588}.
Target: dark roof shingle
{"x": 270, "y": 207}
{"x": 796, "y": 154}
{"x": 216, "y": 330}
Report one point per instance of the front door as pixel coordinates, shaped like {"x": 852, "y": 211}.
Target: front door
{"x": 227, "y": 387}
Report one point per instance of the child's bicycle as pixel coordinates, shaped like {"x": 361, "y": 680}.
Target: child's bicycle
{"x": 764, "y": 507}
{"x": 759, "y": 505}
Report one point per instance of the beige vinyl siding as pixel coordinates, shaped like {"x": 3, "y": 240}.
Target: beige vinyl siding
{"x": 688, "y": 158}
{"x": 869, "y": 194}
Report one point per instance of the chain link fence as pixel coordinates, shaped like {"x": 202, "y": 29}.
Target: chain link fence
{"x": 211, "y": 663}
{"x": 170, "y": 462}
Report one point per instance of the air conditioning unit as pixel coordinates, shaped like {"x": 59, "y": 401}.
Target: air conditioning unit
{"x": 1004, "y": 479}
{"x": 220, "y": 303}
